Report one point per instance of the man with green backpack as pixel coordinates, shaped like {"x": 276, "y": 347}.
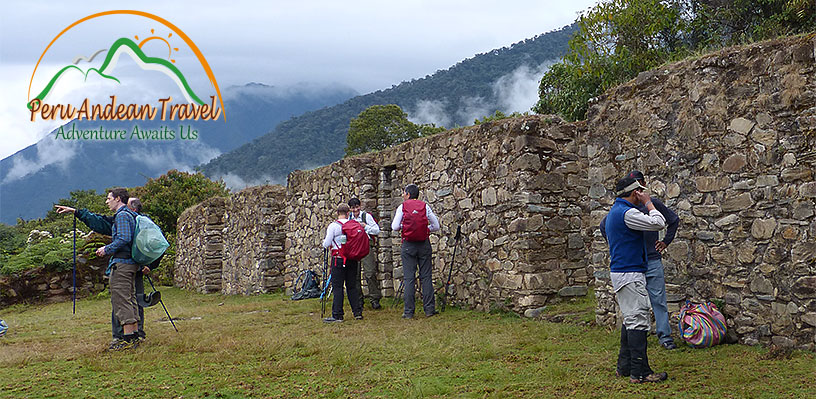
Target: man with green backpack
{"x": 125, "y": 273}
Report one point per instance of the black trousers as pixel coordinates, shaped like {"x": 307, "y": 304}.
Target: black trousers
{"x": 349, "y": 276}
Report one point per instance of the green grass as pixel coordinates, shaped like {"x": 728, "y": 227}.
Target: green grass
{"x": 267, "y": 346}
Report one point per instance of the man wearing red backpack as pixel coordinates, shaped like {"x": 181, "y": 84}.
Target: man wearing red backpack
{"x": 349, "y": 244}
{"x": 416, "y": 220}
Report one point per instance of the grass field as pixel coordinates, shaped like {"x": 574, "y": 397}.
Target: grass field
{"x": 267, "y": 346}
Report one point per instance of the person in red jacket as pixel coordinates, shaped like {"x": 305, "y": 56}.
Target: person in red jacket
{"x": 416, "y": 220}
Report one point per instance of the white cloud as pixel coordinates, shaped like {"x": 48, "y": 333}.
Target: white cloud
{"x": 236, "y": 183}
{"x": 183, "y": 156}
{"x": 49, "y": 152}
{"x": 518, "y": 90}
{"x": 430, "y": 111}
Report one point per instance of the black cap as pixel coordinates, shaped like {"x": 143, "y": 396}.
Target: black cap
{"x": 626, "y": 185}
{"x": 636, "y": 174}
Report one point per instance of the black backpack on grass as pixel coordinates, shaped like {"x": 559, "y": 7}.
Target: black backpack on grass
{"x": 306, "y": 286}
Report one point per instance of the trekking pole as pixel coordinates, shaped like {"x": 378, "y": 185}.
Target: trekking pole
{"x": 450, "y": 271}
{"x": 162, "y": 303}
{"x": 74, "y": 271}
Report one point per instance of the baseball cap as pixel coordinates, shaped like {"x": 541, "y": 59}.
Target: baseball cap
{"x": 637, "y": 175}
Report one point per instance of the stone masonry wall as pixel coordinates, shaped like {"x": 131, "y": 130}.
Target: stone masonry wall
{"x": 242, "y": 240}
{"x": 514, "y": 186}
{"x": 727, "y": 140}
{"x": 253, "y": 255}
{"x": 200, "y": 246}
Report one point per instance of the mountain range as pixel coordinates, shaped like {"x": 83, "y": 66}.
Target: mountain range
{"x": 32, "y": 179}
{"x": 272, "y": 131}
{"x": 470, "y": 89}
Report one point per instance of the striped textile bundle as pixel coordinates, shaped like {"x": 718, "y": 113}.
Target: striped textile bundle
{"x": 702, "y": 325}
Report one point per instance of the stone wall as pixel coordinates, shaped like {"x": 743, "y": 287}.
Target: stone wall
{"x": 727, "y": 140}
{"x": 233, "y": 245}
{"x": 200, "y": 246}
{"x": 514, "y": 186}
{"x": 255, "y": 227}
{"x": 46, "y": 285}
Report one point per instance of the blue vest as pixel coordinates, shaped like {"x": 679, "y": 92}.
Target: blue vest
{"x": 627, "y": 247}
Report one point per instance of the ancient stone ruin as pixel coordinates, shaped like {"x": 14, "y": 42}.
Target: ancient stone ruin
{"x": 727, "y": 140}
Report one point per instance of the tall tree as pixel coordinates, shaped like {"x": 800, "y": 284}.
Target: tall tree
{"x": 617, "y": 39}
{"x": 167, "y": 196}
{"x": 381, "y": 126}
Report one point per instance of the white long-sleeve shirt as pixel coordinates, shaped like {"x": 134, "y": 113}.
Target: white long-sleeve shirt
{"x": 370, "y": 225}
{"x": 334, "y": 235}
{"x": 637, "y": 220}
{"x": 433, "y": 221}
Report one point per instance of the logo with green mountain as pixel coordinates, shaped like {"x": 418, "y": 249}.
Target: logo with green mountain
{"x": 129, "y": 47}
{"x": 194, "y": 108}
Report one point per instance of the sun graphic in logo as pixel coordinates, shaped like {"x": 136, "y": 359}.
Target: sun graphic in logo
{"x": 170, "y": 48}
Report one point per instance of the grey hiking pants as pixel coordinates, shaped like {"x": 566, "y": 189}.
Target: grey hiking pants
{"x": 417, "y": 255}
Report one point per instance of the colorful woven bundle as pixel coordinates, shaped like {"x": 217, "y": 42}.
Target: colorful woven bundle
{"x": 702, "y": 325}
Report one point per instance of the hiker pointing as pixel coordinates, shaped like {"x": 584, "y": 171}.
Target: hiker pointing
{"x": 121, "y": 267}
{"x": 416, "y": 220}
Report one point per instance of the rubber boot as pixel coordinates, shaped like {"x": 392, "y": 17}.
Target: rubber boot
{"x": 624, "y": 356}
{"x": 640, "y": 371}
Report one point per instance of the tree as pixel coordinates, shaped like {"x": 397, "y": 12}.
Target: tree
{"x": 381, "y": 126}
{"x": 167, "y": 196}
{"x": 617, "y": 39}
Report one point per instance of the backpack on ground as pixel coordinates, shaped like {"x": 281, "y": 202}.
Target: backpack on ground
{"x": 3, "y": 327}
{"x": 702, "y": 325}
{"x": 306, "y": 286}
{"x": 356, "y": 246}
{"x": 414, "y": 221}
{"x": 148, "y": 241}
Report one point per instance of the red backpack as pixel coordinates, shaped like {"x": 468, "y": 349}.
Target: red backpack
{"x": 356, "y": 246}
{"x": 414, "y": 221}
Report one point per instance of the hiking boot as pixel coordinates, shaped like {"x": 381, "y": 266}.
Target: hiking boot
{"x": 432, "y": 314}
{"x": 654, "y": 377}
{"x": 375, "y": 304}
{"x": 114, "y": 342}
{"x": 407, "y": 316}
{"x": 332, "y": 320}
{"x": 123, "y": 345}
{"x": 669, "y": 345}
{"x": 358, "y": 317}
{"x": 620, "y": 373}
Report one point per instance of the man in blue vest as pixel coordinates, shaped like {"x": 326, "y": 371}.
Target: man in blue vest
{"x": 625, "y": 227}
{"x": 655, "y": 278}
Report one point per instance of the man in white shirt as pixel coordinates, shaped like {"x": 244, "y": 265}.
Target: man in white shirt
{"x": 343, "y": 272}
{"x": 628, "y": 260}
{"x": 368, "y": 265}
{"x": 416, "y": 220}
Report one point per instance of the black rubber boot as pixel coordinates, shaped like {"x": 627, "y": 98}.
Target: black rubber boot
{"x": 639, "y": 358}
{"x": 640, "y": 371}
{"x": 624, "y": 356}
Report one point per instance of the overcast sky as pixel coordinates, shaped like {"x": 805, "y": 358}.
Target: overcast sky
{"x": 367, "y": 45}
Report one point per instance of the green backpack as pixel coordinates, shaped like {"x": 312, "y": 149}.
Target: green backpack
{"x": 148, "y": 241}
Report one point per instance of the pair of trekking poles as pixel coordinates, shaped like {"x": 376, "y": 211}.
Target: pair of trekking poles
{"x": 154, "y": 293}
{"x": 443, "y": 301}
